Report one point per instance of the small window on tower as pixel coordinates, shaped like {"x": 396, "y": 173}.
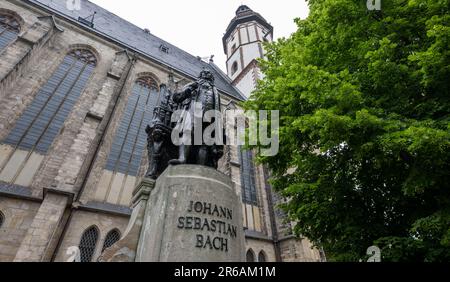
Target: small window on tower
{"x": 234, "y": 68}
{"x": 233, "y": 48}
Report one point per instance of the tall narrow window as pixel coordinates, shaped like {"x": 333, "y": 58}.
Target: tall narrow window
{"x": 248, "y": 185}
{"x": 234, "y": 68}
{"x": 130, "y": 139}
{"x": 262, "y": 257}
{"x": 250, "y": 256}
{"x": 111, "y": 238}
{"x": 2, "y": 219}
{"x": 88, "y": 243}
{"x": 42, "y": 120}
{"x": 9, "y": 30}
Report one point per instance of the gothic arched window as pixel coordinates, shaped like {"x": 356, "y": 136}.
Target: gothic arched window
{"x": 9, "y": 30}
{"x": 262, "y": 257}
{"x": 250, "y": 256}
{"x": 2, "y": 219}
{"x": 43, "y": 119}
{"x": 111, "y": 238}
{"x": 130, "y": 139}
{"x": 88, "y": 243}
{"x": 248, "y": 182}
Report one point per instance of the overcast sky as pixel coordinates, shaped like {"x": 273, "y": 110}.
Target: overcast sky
{"x": 197, "y": 26}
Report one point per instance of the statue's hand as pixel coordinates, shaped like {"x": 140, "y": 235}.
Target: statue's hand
{"x": 192, "y": 87}
{"x": 178, "y": 98}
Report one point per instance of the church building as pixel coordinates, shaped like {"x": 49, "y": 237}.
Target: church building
{"x": 78, "y": 86}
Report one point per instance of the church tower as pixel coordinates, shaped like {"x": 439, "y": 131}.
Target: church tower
{"x": 243, "y": 45}
{"x": 266, "y": 226}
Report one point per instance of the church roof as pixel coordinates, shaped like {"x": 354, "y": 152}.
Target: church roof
{"x": 112, "y": 27}
{"x": 244, "y": 14}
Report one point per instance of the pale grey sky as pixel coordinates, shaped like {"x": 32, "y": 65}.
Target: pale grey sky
{"x": 197, "y": 26}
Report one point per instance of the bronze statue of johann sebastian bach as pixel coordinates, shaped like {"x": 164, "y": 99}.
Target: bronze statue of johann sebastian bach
{"x": 182, "y": 187}
{"x": 191, "y": 105}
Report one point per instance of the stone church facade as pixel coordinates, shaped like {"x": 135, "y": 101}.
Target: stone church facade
{"x": 77, "y": 88}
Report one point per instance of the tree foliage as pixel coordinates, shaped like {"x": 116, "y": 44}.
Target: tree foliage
{"x": 365, "y": 127}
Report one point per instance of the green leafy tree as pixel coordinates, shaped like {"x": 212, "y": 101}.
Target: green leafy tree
{"x": 365, "y": 127}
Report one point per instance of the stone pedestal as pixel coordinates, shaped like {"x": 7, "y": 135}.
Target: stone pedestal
{"x": 193, "y": 215}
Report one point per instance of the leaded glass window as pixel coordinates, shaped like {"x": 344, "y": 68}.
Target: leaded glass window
{"x": 111, "y": 238}
{"x": 9, "y": 30}
{"x": 248, "y": 182}
{"x": 88, "y": 243}
{"x": 130, "y": 139}
{"x": 43, "y": 119}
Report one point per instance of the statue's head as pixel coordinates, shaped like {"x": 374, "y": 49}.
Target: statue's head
{"x": 207, "y": 75}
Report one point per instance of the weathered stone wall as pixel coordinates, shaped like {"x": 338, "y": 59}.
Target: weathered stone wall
{"x": 299, "y": 250}
{"x": 41, "y": 231}
{"x": 257, "y": 246}
{"x": 81, "y": 221}
{"x": 18, "y": 216}
{"x": 24, "y": 51}
{"x": 25, "y": 87}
